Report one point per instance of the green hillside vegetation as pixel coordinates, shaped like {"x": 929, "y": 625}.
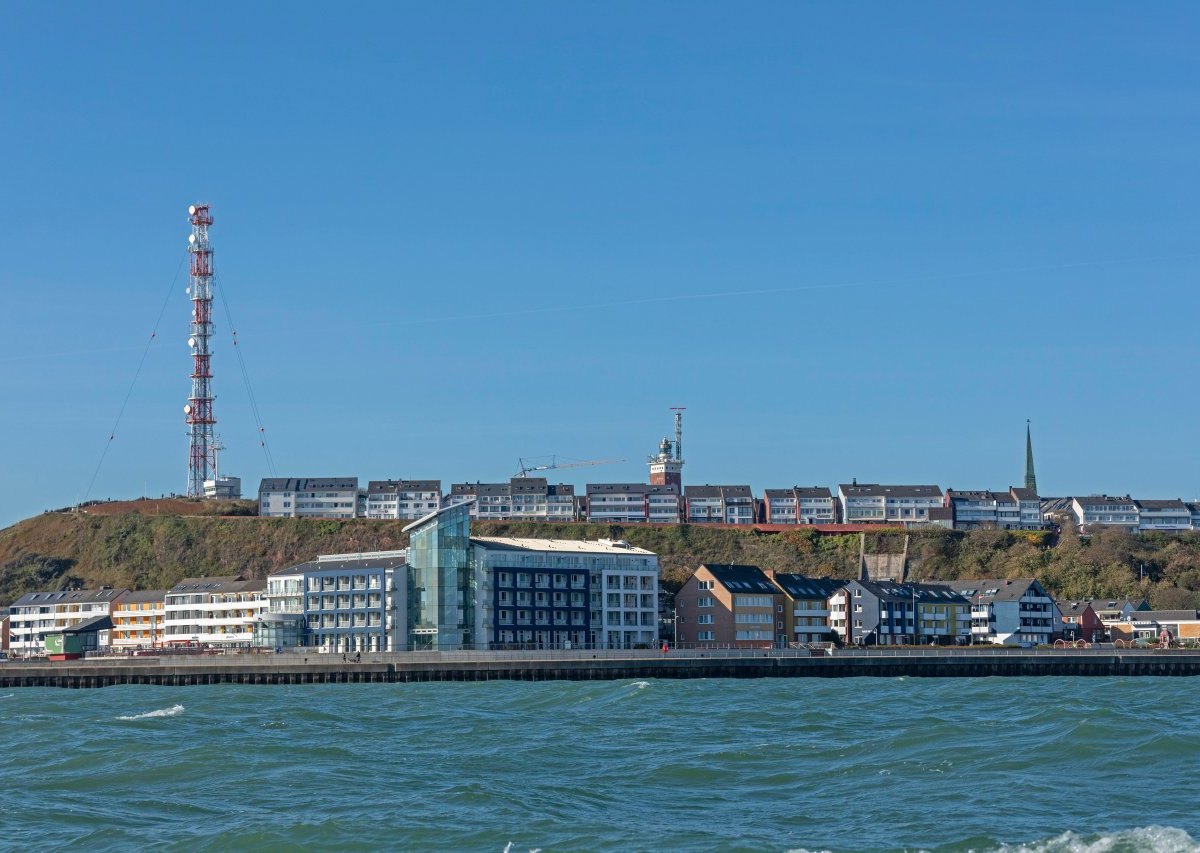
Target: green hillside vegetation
{"x": 64, "y": 550}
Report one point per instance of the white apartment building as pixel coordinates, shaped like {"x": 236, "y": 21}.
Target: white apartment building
{"x": 554, "y": 592}
{"x": 1009, "y": 612}
{"x": 1030, "y": 507}
{"x": 407, "y": 499}
{"x": 871, "y": 502}
{"x": 345, "y": 603}
{"x": 329, "y": 497}
{"x": 36, "y": 614}
{"x": 1102, "y": 509}
{"x": 1016, "y": 509}
{"x": 1168, "y": 515}
{"x": 800, "y": 505}
{"x": 218, "y": 611}
{"x": 137, "y": 619}
{"x": 633, "y": 503}
{"x": 719, "y": 504}
{"x": 520, "y": 499}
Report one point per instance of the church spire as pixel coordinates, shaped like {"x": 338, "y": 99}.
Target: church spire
{"x": 1030, "y": 477}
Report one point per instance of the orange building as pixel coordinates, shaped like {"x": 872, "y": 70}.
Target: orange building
{"x": 137, "y": 619}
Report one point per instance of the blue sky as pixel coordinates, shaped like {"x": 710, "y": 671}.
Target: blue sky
{"x": 855, "y": 240}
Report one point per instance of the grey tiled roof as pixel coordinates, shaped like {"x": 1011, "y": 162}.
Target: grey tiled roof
{"x": 798, "y": 586}
{"x": 866, "y": 490}
{"x": 801, "y": 492}
{"x": 77, "y": 596}
{"x": 738, "y": 578}
{"x": 391, "y": 487}
{"x": 285, "y": 484}
{"x": 724, "y": 492}
{"x": 990, "y": 589}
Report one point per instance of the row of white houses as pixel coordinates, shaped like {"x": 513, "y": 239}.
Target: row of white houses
{"x": 535, "y": 499}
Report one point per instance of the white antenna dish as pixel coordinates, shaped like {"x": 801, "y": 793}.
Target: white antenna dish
{"x": 187, "y": 290}
{"x": 192, "y": 343}
{"x": 192, "y": 238}
{"x": 191, "y": 210}
{"x": 187, "y": 409}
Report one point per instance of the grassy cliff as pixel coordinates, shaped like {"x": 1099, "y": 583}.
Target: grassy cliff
{"x": 152, "y": 545}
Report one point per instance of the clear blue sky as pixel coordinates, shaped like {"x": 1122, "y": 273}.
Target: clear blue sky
{"x": 938, "y": 220}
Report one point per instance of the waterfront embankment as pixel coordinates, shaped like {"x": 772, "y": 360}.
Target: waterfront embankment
{"x": 597, "y": 666}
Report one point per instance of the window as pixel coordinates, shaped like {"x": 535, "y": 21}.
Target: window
{"x": 704, "y": 584}
{"x": 704, "y": 619}
{"x": 705, "y": 635}
{"x": 704, "y": 601}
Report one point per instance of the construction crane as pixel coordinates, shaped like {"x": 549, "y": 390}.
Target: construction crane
{"x": 528, "y": 468}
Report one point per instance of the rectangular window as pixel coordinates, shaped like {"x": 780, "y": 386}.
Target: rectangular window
{"x": 704, "y": 619}
{"x": 704, "y": 601}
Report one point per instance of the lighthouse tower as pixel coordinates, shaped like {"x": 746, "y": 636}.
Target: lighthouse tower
{"x": 666, "y": 467}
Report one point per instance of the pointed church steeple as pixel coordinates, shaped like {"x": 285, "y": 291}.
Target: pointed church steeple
{"x": 1030, "y": 477}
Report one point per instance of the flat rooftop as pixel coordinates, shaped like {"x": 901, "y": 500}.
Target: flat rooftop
{"x": 570, "y": 546}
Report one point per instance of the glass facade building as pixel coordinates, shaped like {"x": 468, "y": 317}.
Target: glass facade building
{"x": 441, "y": 605}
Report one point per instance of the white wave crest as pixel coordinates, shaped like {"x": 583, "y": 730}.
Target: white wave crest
{"x": 173, "y": 711}
{"x": 1144, "y": 839}
{"x": 640, "y": 685}
{"x": 1152, "y": 839}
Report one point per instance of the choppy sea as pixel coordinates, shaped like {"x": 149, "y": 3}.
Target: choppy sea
{"x": 1016, "y": 765}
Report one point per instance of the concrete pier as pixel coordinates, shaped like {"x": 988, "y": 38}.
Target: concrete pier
{"x": 600, "y": 665}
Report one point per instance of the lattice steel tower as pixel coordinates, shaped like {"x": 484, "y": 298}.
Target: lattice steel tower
{"x": 198, "y": 413}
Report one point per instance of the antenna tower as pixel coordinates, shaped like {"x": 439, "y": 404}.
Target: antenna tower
{"x": 198, "y": 413}
{"x": 678, "y": 410}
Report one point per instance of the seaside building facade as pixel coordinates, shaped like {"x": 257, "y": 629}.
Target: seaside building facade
{"x": 732, "y": 606}
{"x": 1080, "y": 622}
{"x": 1168, "y": 516}
{"x": 520, "y": 499}
{"x": 887, "y": 613}
{"x": 1009, "y": 612}
{"x": 633, "y": 503}
{"x": 343, "y": 603}
{"x": 401, "y": 499}
{"x": 558, "y": 593}
{"x": 219, "y": 612}
{"x": 1105, "y": 510}
{"x": 805, "y": 606}
{"x": 800, "y": 505}
{"x": 137, "y": 620}
{"x": 34, "y": 616}
{"x": 318, "y": 497}
{"x": 719, "y": 504}
{"x": 874, "y": 503}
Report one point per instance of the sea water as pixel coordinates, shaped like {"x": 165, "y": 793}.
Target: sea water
{"x": 1038, "y": 764}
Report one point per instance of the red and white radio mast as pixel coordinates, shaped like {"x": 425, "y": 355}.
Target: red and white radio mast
{"x": 202, "y": 449}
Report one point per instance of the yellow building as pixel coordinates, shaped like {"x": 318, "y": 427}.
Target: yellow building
{"x": 943, "y": 617}
{"x": 137, "y": 619}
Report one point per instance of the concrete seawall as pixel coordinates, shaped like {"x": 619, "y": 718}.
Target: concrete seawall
{"x": 547, "y": 666}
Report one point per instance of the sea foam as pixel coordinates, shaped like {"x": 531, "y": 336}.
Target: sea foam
{"x": 1158, "y": 839}
{"x": 173, "y": 711}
